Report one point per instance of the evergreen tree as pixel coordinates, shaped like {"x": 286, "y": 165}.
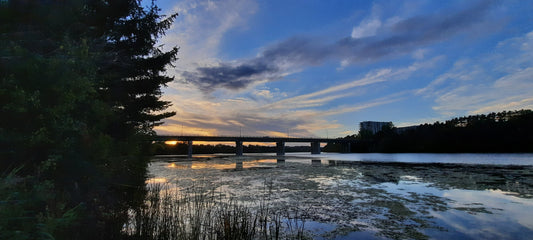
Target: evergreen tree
{"x": 80, "y": 89}
{"x": 131, "y": 66}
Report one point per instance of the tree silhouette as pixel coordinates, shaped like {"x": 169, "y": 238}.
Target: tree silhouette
{"x": 507, "y": 131}
{"x": 80, "y": 91}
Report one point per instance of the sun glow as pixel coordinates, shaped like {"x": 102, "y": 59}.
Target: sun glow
{"x": 171, "y": 142}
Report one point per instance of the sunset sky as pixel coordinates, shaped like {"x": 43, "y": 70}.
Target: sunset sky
{"x": 318, "y": 68}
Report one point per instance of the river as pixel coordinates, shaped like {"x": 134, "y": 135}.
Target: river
{"x": 373, "y": 196}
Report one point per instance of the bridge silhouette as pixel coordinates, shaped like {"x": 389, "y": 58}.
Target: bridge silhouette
{"x": 280, "y": 142}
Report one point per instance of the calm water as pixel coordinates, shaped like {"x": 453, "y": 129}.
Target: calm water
{"x": 375, "y": 196}
{"x": 464, "y": 158}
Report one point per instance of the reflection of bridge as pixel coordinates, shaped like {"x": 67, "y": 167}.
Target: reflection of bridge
{"x": 280, "y": 142}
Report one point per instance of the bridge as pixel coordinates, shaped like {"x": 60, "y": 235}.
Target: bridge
{"x": 280, "y": 142}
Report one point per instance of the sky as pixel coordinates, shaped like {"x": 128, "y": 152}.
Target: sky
{"x": 309, "y": 68}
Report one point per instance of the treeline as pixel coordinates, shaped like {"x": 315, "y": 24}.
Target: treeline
{"x": 181, "y": 149}
{"x": 80, "y": 87}
{"x": 503, "y": 132}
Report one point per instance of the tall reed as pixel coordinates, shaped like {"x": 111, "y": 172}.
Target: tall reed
{"x": 193, "y": 213}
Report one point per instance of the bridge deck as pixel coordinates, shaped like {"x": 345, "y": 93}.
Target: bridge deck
{"x": 249, "y": 139}
{"x": 280, "y": 142}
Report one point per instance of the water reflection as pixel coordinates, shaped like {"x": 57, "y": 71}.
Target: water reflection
{"x": 238, "y": 164}
{"x": 316, "y": 162}
{"x": 343, "y": 199}
{"x": 280, "y": 162}
{"x": 156, "y": 180}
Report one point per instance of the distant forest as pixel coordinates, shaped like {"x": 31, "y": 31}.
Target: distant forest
{"x": 181, "y": 149}
{"x": 505, "y": 132}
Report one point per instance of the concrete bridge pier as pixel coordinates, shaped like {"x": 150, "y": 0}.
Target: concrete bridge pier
{"x": 315, "y": 147}
{"x": 280, "y": 148}
{"x": 238, "y": 148}
{"x": 189, "y": 149}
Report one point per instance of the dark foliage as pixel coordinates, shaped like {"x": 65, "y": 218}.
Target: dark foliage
{"x": 80, "y": 87}
{"x": 508, "y": 131}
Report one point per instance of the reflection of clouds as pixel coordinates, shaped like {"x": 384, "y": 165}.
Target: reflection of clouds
{"x": 466, "y": 210}
{"x": 209, "y": 165}
{"x": 507, "y": 211}
{"x": 410, "y": 178}
{"x": 182, "y": 166}
{"x": 325, "y": 182}
{"x": 514, "y": 207}
{"x": 343, "y": 195}
{"x": 232, "y": 164}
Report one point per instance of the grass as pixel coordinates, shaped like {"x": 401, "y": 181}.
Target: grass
{"x": 192, "y": 213}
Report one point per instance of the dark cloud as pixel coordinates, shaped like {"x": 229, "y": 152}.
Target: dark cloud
{"x": 412, "y": 33}
{"x": 298, "y": 52}
{"x": 427, "y": 28}
{"x": 227, "y": 76}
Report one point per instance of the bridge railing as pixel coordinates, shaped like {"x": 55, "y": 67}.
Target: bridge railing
{"x": 242, "y": 136}
{"x": 249, "y": 138}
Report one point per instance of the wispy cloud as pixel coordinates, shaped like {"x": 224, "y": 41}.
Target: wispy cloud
{"x": 321, "y": 97}
{"x": 303, "y": 114}
{"x": 471, "y": 86}
{"x": 368, "y": 45}
{"x": 202, "y": 26}
{"x": 382, "y": 58}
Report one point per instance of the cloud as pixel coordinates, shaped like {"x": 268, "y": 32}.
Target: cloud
{"x": 376, "y": 76}
{"x": 247, "y": 122}
{"x": 264, "y": 93}
{"x": 301, "y": 114}
{"x": 498, "y": 81}
{"x": 367, "y": 45}
{"x": 440, "y": 26}
{"x": 406, "y": 35}
{"x": 226, "y": 76}
{"x": 526, "y": 103}
{"x": 202, "y": 26}
{"x": 419, "y": 54}
{"x": 264, "y": 111}
{"x": 272, "y": 64}
{"x": 374, "y": 103}
{"x": 366, "y": 29}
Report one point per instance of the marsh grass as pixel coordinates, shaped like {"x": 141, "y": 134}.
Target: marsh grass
{"x": 194, "y": 213}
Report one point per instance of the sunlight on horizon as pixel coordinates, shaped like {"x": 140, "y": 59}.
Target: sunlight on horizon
{"x": 171, "y": 142}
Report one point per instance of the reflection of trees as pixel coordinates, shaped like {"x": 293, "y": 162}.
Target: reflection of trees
{"x": 517, "y": 179}
{"x": 181, "y": 148}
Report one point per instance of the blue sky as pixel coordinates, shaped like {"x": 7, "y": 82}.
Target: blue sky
{"x": 318, "y": 68}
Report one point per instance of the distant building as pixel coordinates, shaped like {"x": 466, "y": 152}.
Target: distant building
{"x": 373, "y": 127}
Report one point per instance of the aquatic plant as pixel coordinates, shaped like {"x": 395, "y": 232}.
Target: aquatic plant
{"x": 194, "y": 213}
